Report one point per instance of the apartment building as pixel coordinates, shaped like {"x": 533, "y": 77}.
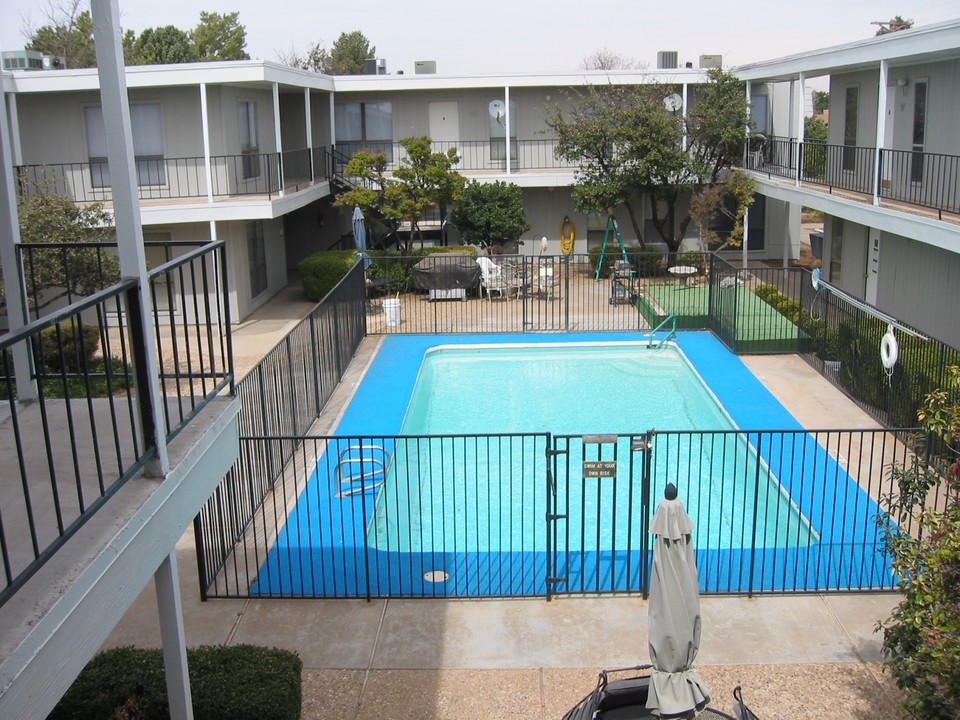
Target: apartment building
{"x": 247, "y": 156}
{"x": 887, "y": 178}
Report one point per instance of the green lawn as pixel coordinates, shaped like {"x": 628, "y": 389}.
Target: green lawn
{"x": 759, "y": 327}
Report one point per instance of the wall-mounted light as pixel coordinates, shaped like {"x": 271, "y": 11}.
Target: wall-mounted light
{"x": 902, "y": 82}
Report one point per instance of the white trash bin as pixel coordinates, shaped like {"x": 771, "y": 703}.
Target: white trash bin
{"x": 391, "y": 306}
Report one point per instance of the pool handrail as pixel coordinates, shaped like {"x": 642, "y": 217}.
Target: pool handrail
{"x": 377, "y": 474}
{"x": 672, "y": 319}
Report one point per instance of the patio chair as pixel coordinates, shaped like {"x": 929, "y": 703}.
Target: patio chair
{"x": 494, "y": 279}
{"x": 625, "y": 698}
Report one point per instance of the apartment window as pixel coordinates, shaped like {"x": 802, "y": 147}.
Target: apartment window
{"x": 498, "y": 131}
{"x": 147, "y": 128}
{"x": 919, "y": 130}
{"x": 367, "y": 126}
{"x": 249, "y": 147}
{"x": 256, "y": 257}
{"x": 836, "y": 252}
{"x": 850, "y": 118}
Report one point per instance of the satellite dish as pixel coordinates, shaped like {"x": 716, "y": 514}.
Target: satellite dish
{"x": 496, "y": 109}
{"x": 673, "y": 102}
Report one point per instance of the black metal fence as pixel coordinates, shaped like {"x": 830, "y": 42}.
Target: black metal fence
{"x": 522, "y": 515}
{"x": 88, "y": 431}
{"x": 365, "y": 517}
{"x": 280, "y": 399}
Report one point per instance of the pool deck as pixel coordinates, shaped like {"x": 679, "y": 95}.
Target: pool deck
{"x": 809, "y": 656}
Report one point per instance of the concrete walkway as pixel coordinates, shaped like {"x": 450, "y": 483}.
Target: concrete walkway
{"x": 813, "y": 656}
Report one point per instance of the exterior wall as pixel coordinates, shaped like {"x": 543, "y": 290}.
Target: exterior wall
{"x": 293, "y": 127}
{"x": 916, "y": 284}
{"x": 53, "y": 130}
{"x": 320, "y": 118}
{"x": 235, "y": 235}
{"x": 304, "y": 234}
{"x": 943, "y": 105}
{"x": 225, "y": 129}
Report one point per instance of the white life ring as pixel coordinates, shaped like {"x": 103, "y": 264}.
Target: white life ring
{"x": 815, "y": 278}
{"x": 889, "y": 351}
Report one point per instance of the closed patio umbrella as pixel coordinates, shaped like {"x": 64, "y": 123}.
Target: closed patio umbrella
{"x": 360, "y": 235}
{"x": 673, "y": 615}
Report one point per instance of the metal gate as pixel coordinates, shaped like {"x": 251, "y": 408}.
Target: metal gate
{"x": 598, "y": 510}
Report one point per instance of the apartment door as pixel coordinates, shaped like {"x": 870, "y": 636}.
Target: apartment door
{"x": 444, "y": 121}
{"x": 873, "y": 265}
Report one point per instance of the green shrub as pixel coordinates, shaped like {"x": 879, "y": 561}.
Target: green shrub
{"x": 646, "y": 263}
{"x": 321, "y": 271}
{"x": 227, "y": 683}
{"x": 70, "y": 350}
{"x": 764, "y": 292}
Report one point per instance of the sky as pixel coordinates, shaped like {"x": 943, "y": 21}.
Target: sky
{"x": 504, "y": 36}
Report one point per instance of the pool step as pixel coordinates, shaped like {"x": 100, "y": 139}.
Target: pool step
{"x": 360, "y": 468}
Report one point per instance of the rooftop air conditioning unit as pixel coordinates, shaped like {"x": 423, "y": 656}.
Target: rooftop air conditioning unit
{"x": 667, "y": 60}
{"x": 711, "y": 61}
{"x": 425, "y": 67}
{"x": 375, "y": 66}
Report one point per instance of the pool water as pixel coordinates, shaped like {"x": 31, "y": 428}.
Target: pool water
{"x": 568, "y": 389}
{"x": 559, "y": 388}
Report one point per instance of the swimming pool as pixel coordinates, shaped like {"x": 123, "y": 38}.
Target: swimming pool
{"x": 568, "y": 388}
{"x": 469, "y": 513}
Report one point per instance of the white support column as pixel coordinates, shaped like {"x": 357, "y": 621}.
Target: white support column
{"x": 506, "y": 114}
{"x": 799, "y": 102}
{"x": 746, "y": 238}
{"x": 277, "y": 134}
{"x": 15, "y": 130}
{"x": 205, "y": 128}
{"x": 173, "y": 639}
{"x": 308, "y": 119}
{"x": 126, "y": 205}
{"x": 881, "y": 128}
{"x": 684, "y": 114}
{"x": 746, "y": 130}
{"x": 12, "y": 268}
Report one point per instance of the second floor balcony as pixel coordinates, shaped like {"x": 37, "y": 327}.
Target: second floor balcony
{"x": 159, "y": 179}
{"x": 924, "y": 182}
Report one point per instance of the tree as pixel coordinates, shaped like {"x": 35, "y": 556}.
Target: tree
{"x": 220, "y": 37}
{"x": 348, "y": 53}
{"x": 423, "y": 180}
{"x": 162, "y": 46}
{"x": 727, "y": 202}
{"x": 895, "y": 24}
{"x": 316, "y": 58}
{"x": 608, "y": 60}
{"x": 47, "y": 217}
{"x": 68, "y": 33}
{"x": 490, "y": 213}
{"x": 630, "y": 145}
{"x": 821, "y": 101}
{"x": 346, "y": 57}
{"x": 921, "y": 638}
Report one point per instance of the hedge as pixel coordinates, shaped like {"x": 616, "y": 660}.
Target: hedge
{"x": 321, "y": 271}
{"x": 240, "y": 682}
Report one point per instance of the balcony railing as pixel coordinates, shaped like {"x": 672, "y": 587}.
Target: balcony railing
{"x": 928, "y": 180}
{"x": 262, "y": 174}
{"x": 476, "y": 155}
{"x": 88, "y": 430}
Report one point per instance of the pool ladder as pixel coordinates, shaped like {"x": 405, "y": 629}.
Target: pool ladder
{"x": 672, "y": 319}
{"x": 360, "y": 468}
